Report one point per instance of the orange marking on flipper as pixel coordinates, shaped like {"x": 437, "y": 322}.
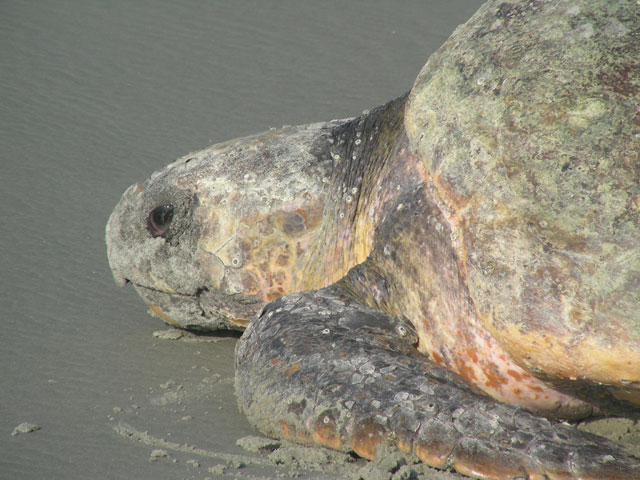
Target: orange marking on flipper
{"x": 325, "y": 432}
{"x": 404, "y": 441}
{"x": 287, "y": 430}
{"x": 475, "y": 468}
{"x": 366, "y": 438}
{"x": 294, "y": 368}
{"x": 435, "y": 444}
{"x": 290, "y": 432}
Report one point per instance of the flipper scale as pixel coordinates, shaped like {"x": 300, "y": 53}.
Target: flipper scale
{"x": 316, "y": 368}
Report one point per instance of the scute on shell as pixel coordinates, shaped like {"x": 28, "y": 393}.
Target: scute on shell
{"x": 528, "y": 123}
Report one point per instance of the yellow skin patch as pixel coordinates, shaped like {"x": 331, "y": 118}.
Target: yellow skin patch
{"x": 560, "y": 357}
{"x": 264, "y": 253}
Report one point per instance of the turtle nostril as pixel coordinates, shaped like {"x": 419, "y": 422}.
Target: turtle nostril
{"x": 159, "y": 220}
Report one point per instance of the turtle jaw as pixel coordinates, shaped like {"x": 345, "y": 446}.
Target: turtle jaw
{"x": 199, "y": 295}
{"x": 206, "y": 310}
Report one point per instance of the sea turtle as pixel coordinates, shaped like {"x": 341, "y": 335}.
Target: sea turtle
{"x": 430, "y": 272}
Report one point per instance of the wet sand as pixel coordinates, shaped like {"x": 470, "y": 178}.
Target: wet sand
{"x": 97, "y": 96}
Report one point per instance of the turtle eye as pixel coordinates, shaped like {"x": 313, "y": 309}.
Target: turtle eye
{"x": 159, "y": 220}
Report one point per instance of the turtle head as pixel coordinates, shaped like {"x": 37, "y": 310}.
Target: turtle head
{"x": 218, "y": 233}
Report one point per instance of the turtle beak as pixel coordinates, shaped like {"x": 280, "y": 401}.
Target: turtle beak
{"x": 113, "y": 235}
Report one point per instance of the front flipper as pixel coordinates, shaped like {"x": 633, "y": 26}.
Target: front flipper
{"x": 315, "y": 368}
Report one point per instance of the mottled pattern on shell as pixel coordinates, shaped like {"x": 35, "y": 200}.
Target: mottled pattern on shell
{"x": 528, "y": 121}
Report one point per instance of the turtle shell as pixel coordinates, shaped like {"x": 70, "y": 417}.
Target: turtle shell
{"x": 527, "y": 121}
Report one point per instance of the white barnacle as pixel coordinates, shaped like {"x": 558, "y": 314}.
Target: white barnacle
{"x": 315, "y": 359}
{"x": 250, "y": 177}
{"x": 426, "y": 388}
{"x": 401, "y": 396}
{"x": 326, "y": 419}
{"x": 402, "y": 331}
{"x": 348, "y": 199}
{"x": 367, "y": 368}
{"x": 358, "y": 141}
{"x": 381, "y": 419}
{"x": 326, "y": 331}
{"x": 457, "y": 413}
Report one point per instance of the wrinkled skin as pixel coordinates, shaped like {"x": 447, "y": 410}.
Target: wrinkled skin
{"x": 473, "y": 242}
